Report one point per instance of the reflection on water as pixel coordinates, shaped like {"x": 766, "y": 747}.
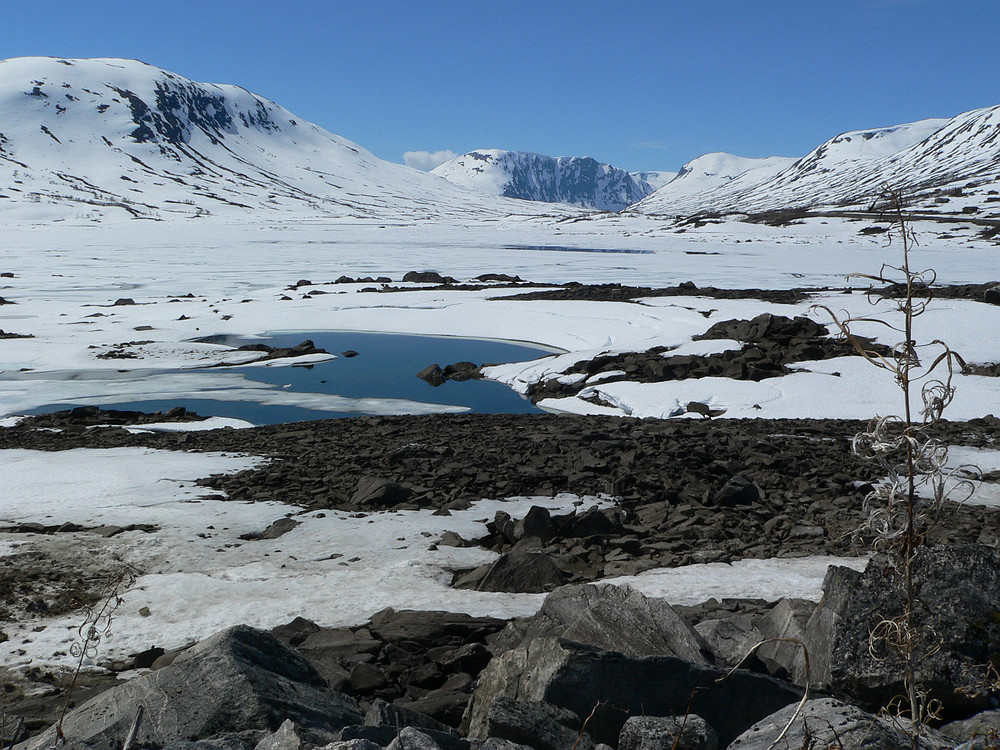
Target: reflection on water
{"x": 384, "y": 368}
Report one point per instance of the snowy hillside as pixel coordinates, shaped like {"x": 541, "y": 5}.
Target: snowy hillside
{"x": 90, "y": 139}
{"x": 712, "y": 172}
{"x": 580, "y": 181}
{"x": 945, "y": 166}
{"x": 655, "y": 180}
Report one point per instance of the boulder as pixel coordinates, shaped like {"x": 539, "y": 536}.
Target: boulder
{"x": 610, "y": 618}
{"x": 992, "y": 295}
{"x": 730, "y": 639}
{"x": 495, "y": 743}
{"x": 522, "y": 573}
{"x": 983, "y": 729}
{"x": 537, "y": 724}
{"x": 432, "y": 375}
{"x": 354, "y": 744}
{"x": 429, "y": 628}
{"x": 392, "y": 718}
{"x": 382, "y": 714}
{"x": 827, "y": 722}
{"x": 538, "y": 523}
{"x": 783, "y": 631}
{"x": 239, "y": 679}
{"x": 427, "y": 277}
{"x": 382, "y": 493}
{"x": 413, "y": 739}
{"x": 957, "y": 599}
{"x": 608, "y": 687}
{"x": 737, "y": 491}
{"x": 285, "y": 738}
{"x": 821, "y": 629}
{"x": 462, "y": 371}
{"x": 229, "y": 741}
{"x": 689, "y": 732}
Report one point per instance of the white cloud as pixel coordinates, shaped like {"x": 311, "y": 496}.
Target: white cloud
{"x": 427, "y": 160}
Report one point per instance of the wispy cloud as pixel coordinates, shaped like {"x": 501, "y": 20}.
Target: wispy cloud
{"x": 427, "y": 160}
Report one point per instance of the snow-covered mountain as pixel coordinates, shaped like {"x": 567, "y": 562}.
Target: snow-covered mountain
{"x": 655, "y": 180}
{"x": 117, "y": 138}
{"x": 712, "y": 172}
{"x": 945, "y": 166}
{"x": 581, "y": 181}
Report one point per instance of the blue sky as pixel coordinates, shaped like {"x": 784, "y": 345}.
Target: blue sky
{"x": 642, "y": 85}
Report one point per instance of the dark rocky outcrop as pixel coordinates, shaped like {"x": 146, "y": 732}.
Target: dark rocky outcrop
{"x": 609, "y": 687}
{"x": 435, "y": 375}
{"x": 769, "y": 346}
{"x": 281, "y": 352}
{"x": 424, "y": 663}
{"x": 956, "y": 606}
{"x": 663, "y": 474}
{"x": 427, "y": 277}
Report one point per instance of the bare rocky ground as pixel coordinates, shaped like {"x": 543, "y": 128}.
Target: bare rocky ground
{"x": 693, "y": 490}
{"x": 686, "y": 491}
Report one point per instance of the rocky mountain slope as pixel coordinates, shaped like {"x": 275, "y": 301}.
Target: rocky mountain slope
{"x": 110, "y": 138}
{"x": 944, "y": 166}
{"x": 580, "y": 181}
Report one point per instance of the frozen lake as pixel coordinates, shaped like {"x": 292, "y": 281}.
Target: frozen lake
{"x": 382, "y": 373}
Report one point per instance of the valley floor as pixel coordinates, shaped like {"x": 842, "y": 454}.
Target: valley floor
{"x": 67, "y": 288}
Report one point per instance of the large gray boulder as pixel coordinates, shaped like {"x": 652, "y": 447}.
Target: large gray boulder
{"x": 239, "y": 679}
{"x": 730, "y": 639}
{"x": 982, "y": 729}
{"x": 957, "y": 598}
{"x": 827, "y": 722}
{"x": 823, "y": 625}
{"x": 690, "y": 732}
{"x": 609, "y": 687}
{"x": 522, "y": 572}
{"x": 537, "y": 724}
{"x": 783, "y": 630}
{"x": 610, "y": 618}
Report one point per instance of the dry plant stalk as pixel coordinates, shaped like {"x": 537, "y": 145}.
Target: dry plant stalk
{"x": 95, "y": 627}
{"x": 904, "y": 507}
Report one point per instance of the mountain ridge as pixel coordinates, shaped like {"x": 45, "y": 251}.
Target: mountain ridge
{"x": 933, "y": 161}
{"x": 105, "y": 137}
{"x": 575, "y": 180}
